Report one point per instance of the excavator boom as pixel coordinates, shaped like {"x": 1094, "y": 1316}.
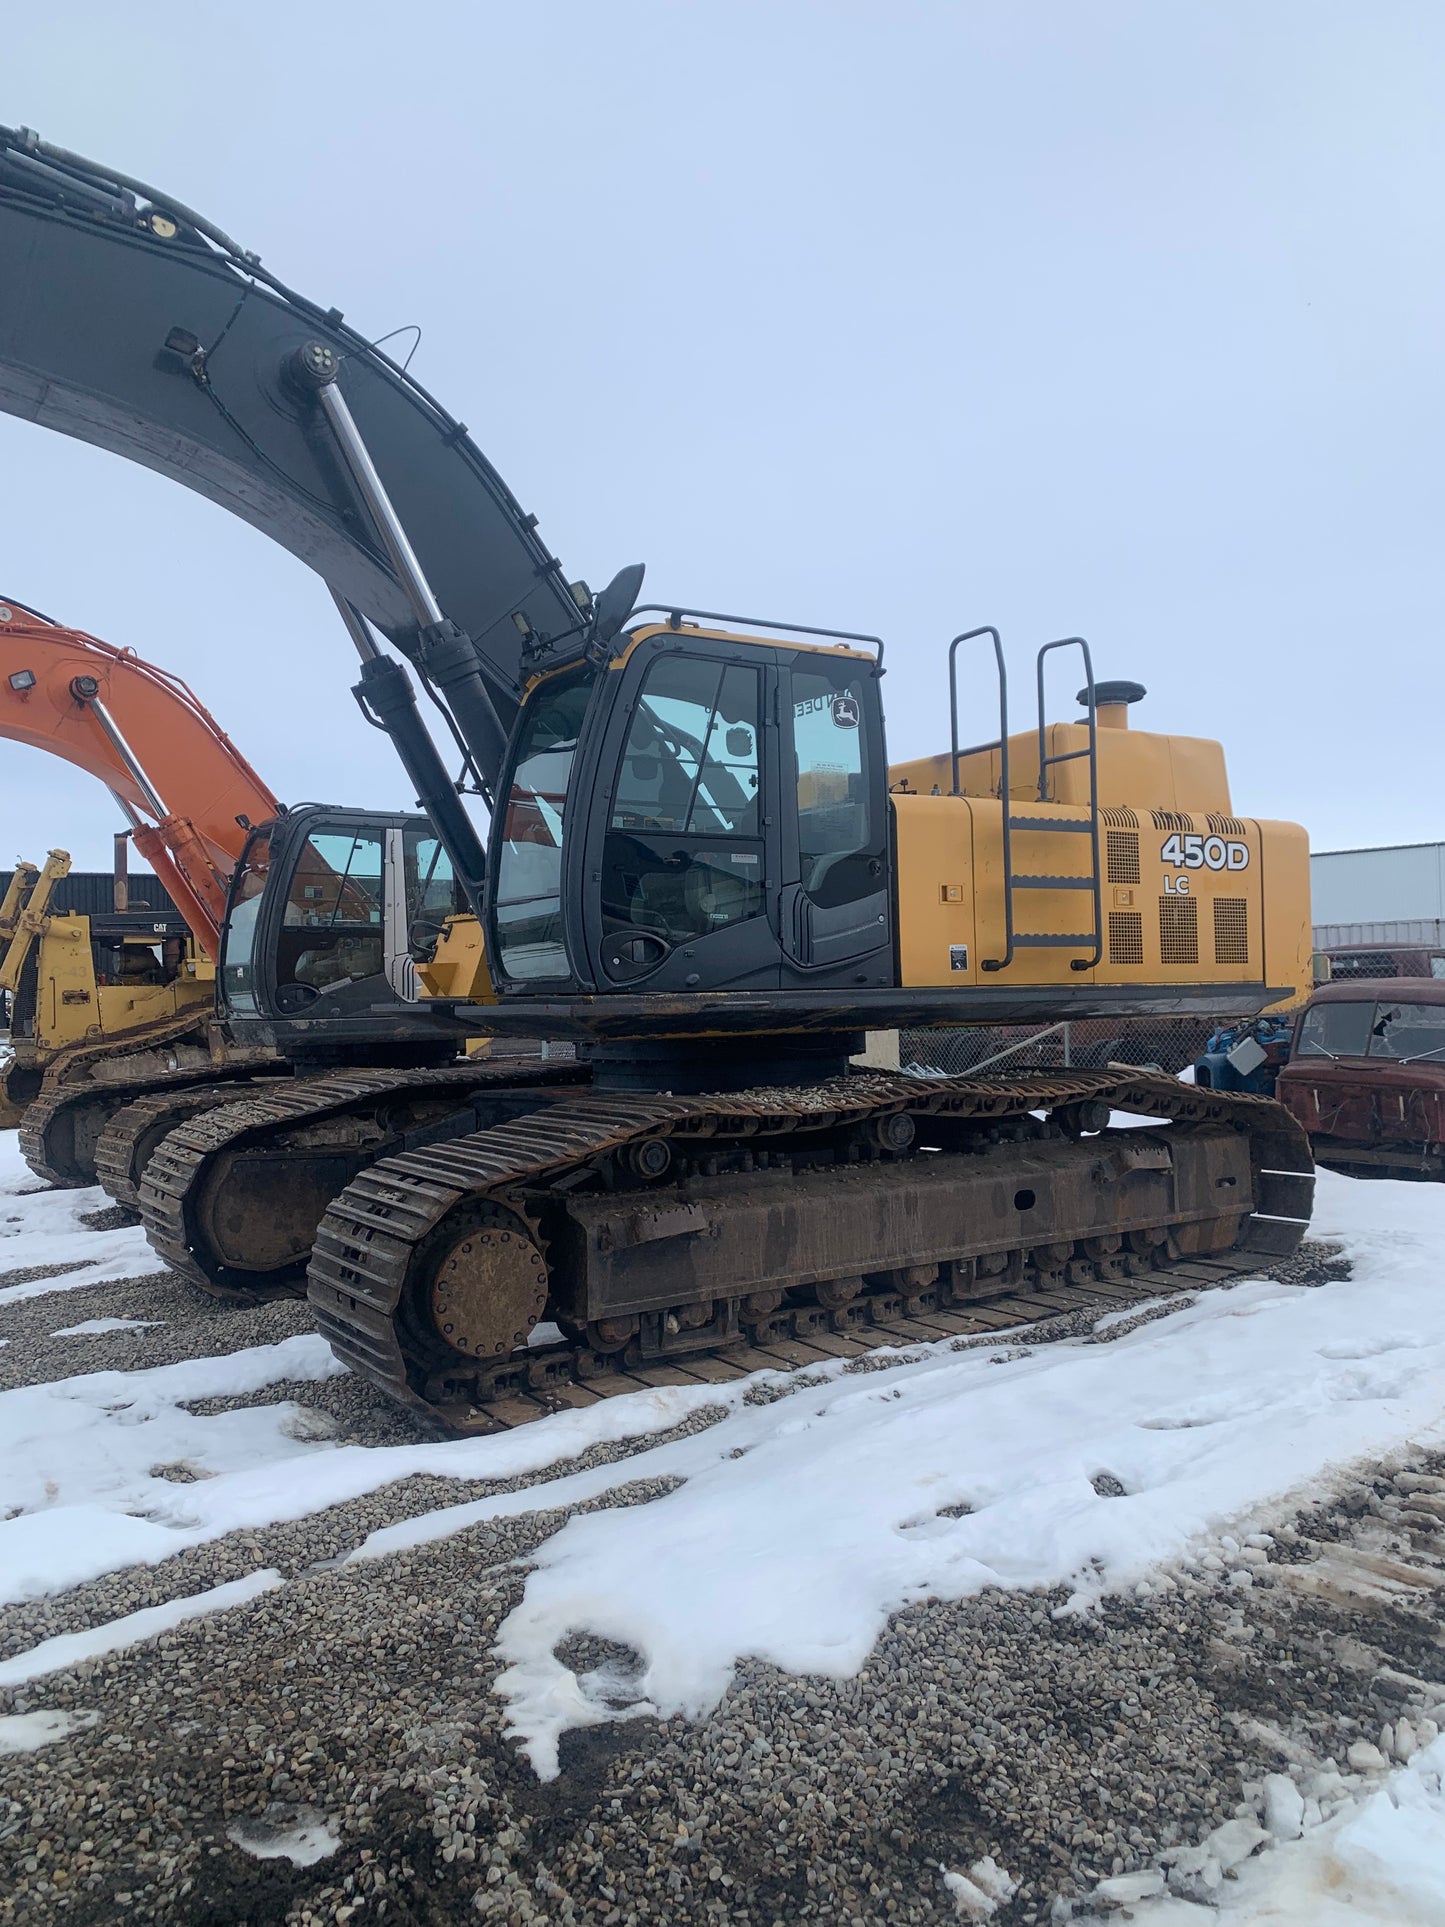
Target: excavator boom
{"x": 189, "y": 377}
{"x": 188, "y": 791}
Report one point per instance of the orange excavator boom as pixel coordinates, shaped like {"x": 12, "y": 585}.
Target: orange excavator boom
{"x": 187, "y": 790}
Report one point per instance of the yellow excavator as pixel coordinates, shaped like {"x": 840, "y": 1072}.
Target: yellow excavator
{"x": 701, "y": 873}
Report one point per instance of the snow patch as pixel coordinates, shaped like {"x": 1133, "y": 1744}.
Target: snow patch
{"x": 979, "y": 1893}
{"x": 70, "y": 1649}
{"x": 301, "y": 1835}
{"x": 45, "y": 1227}
{"x": 24, "y": 1732}
{"x": 1378, "y": 1862}
{"x": 95, "y": 1327}
{"x": 78, "y": 1493}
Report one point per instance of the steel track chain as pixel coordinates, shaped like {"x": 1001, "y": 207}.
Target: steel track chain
{"x": 371, "y": 1233}
{"x": 115, "y": 1148}
{"x": 60, "y": 1090}
{"x": 552, "y": 1378}
{"x": 183, "y": 1159}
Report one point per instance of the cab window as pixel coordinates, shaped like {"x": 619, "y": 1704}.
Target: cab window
{"x": 691, "y": 762}
{"x": 332, "y": 927}
{"x": 683, "y": 856}
{"x": 830, "y": 776}
{"x": 1408, "y": 1032}
{"x": 1335, "y": 1030}
{"x": 432, "y": 889}
{"x": 528, "y": 904}
{"x": 238, "y": 978}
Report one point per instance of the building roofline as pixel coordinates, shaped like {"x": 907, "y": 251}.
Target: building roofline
{"x": 1382, "y": 849}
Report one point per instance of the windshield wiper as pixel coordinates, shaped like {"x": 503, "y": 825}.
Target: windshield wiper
{"x": 1421, "y": 1055}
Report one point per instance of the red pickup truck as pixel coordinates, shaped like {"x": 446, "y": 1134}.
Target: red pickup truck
{"x": 1366, "y": 1076}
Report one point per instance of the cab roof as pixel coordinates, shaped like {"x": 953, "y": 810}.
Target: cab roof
{"x": 1365, "y": 990}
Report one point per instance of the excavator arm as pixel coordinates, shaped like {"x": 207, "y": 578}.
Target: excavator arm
{"x": 130, "y": 321}
{"x": 133, "y": 323}
{"x": 187, "y": 790}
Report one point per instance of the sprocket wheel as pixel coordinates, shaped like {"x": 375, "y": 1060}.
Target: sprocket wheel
{"x": 489, "y": 1288}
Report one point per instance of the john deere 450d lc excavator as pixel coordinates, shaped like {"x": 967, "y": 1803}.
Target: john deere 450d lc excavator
{"x": 702, "y": 872}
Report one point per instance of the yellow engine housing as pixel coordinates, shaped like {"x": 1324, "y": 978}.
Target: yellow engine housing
{"x": 1191, "y": 894}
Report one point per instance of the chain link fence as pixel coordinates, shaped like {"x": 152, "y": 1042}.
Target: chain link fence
{"x": 1166, "y": 1043}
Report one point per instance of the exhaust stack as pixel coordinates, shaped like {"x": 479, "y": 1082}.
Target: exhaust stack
{"x": 1111, "y": 702}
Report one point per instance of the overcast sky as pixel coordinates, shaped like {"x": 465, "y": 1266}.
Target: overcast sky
{"x": 1122, "y": 319}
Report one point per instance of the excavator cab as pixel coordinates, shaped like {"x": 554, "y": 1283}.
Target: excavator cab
{"x": 703, "y": 811}
{"x": 316, "y": 947}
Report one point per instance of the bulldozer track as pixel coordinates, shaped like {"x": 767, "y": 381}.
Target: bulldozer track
{"x": 182, "y": 1159}
{"x": 61, "y": 1091}
{"x": 378, "y": 1229}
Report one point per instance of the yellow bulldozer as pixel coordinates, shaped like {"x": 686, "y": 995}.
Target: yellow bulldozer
{"x": 78, "y": 986}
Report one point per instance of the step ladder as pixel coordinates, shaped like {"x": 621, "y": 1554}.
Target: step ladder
{"x": 1091, "y": 940}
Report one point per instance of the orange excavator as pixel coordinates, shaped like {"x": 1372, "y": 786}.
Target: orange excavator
{"x": 86, "y": 1039}
{"x": 93, "y": 1045}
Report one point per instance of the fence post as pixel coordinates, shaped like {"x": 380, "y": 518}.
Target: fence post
{"x": 1068, "y": 1058}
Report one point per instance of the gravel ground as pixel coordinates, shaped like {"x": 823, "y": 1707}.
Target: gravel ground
{"x": 361, "y": 1698}
{"x": 184, "y": 1323}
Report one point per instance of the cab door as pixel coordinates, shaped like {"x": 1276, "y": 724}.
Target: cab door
{"x": 683, "y": 851}
{"x": 311, "y": 929}
{"x": 835, "y": 912}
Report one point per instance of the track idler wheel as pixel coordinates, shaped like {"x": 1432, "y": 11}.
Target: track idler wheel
{"x": 649, "y": 1160}
{"x": 609, "y": 1334}
{"x": 489, "y": 1289}
{"x": 894, "y": 1131}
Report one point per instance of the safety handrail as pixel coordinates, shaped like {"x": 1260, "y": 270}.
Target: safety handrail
{"x": 971, "y": 635}
{"x": 676, "y": 611}
{"x": 1046, "y": 763}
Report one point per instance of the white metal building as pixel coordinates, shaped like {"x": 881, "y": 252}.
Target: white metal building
{"x": 1394, "y": 895}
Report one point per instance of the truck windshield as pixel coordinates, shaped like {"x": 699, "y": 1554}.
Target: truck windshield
{"x": 528, "y": 900}
{"x": 1397, "y": 1030}
{"x": 1404, "y": 1031}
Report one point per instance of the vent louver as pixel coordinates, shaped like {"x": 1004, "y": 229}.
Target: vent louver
{"x": 1178, "y": 930}
{"x": 1123, "y": 856}
{"x": 1126, "y": 937}
{"x": 1231, "y": 930}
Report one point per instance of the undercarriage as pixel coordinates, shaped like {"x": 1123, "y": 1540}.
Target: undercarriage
{"x": 63, "y": 1122}
{"x": 662, "y": 1228}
